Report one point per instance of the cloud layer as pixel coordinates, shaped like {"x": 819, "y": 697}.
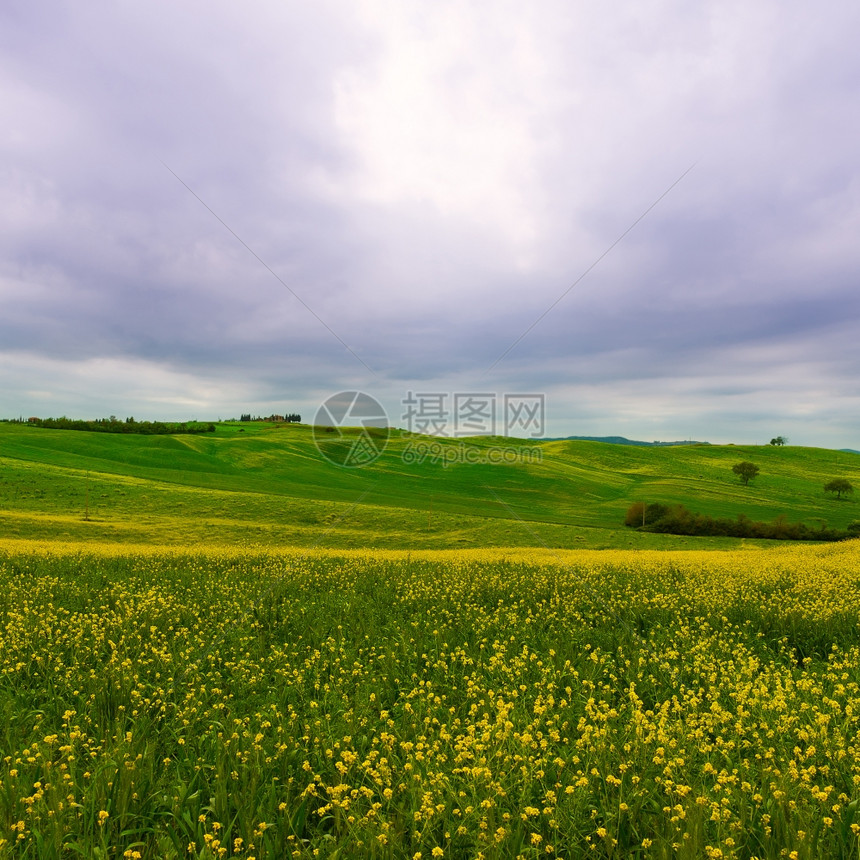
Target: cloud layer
{"x": 212, "y": 209}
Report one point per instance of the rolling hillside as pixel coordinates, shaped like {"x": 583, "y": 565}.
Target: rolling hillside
{"x": 268, "y": 484}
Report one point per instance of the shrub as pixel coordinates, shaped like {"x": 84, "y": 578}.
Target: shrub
{"x": 678, "y": 520}
{"x": 635, "y": 514}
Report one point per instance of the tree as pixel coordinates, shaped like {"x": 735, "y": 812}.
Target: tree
{"x": 839, "y": 486}
{"x": 746, "y": 471}
{"x": 779, "y": 441}
{"x": 640, "y": 514}
{"x": 635, "y": 515}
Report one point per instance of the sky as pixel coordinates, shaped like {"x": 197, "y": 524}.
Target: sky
{"x": 646, "y": 212}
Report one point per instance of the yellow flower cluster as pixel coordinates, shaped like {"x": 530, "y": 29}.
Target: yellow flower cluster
{"x": 257, "y": 703}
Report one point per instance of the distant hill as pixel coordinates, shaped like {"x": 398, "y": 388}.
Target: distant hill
{"x": 623, "y": 440}
{"x": 265, "y": 483}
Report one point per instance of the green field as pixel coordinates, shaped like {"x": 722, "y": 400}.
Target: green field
{"x": 223, "y": 646}
{"x": 268, "y": 484}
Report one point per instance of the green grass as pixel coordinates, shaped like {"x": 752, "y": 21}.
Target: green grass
{"x": 268, "y": 484}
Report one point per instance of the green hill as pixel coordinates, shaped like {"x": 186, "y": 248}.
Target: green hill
{"x": 268, "y": 483}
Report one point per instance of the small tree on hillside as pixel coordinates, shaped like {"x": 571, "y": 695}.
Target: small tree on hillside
{"x": 635, "y": 514}
{"x": 640, "y": 514}
{"x": 839, "y": 486}
{"x": 746, "y": 471}
{"x": 779, "y": 441}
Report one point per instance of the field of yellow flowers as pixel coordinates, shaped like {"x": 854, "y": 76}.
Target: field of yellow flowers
{"x": 268, "y": 704}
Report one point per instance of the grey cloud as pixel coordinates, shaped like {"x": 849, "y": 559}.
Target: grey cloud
{"x": 430, "y": 210}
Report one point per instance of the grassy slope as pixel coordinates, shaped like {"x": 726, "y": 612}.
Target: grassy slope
{"x": 268, "y": 484}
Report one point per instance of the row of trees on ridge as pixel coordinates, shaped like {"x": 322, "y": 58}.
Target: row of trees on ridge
{"x": 114, "y": 425}
{"x": 678, "y": 520}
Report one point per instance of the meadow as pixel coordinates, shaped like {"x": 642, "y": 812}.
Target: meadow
{"x": 245, "y": 702}
{"x": 267, "y": 484}
{"x": 222, "y": 646}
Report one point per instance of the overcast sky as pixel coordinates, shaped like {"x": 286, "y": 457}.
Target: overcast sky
{"x": 211, "y": 208}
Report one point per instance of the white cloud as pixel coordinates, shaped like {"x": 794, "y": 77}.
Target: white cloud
{"x": 435, "y": 118}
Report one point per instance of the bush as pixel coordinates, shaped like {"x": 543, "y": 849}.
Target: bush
{"x": 653, "y": 514}
{"x": 635, "y": 514}
{"x": 678, "y": 520}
